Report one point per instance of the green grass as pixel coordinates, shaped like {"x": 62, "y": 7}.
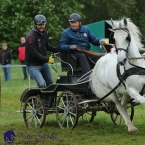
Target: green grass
{"x": 100, "y": 132}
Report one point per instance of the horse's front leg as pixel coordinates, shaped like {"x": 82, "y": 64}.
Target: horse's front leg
{"x": 136, "y": 96}
{"x": 131, "y": 128}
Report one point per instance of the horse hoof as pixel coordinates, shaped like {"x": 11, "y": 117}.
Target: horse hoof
{"x": 133, "y": 132}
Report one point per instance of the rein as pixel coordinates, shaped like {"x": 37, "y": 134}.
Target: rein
{"x": 96, "y": 53}
{"x": 91, "y": 52}
{"x": 133, "y": 58}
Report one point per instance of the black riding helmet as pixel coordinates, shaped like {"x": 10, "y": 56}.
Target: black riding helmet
{"x": 39, "y": 19}
{"x": 74, "y": 17}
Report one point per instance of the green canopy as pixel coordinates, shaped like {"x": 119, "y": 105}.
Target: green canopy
{"x": 100, "y": 29}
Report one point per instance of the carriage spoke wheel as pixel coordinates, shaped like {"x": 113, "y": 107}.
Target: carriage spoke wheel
{"x": 115, "y": 115}
{"x": 67, "y": 110}
{"x": 85, "y": 113}
{"x": 34, "y": 112}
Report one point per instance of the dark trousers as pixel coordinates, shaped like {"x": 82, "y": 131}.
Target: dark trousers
{"x": 86, "y": 61}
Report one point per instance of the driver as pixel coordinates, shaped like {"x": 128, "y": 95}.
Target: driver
{"x": 80, "y": 36}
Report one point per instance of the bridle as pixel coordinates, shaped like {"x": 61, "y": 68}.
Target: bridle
{"x": 126, "y": 50}
{"x": 128, "y": 38}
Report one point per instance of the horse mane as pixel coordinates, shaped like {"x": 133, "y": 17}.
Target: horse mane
{"x": 134, "y": 30}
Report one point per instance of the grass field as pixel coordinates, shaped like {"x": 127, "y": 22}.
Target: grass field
{"x": 100, "y": 132}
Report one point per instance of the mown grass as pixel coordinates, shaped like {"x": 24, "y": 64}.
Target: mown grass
{"x": 100, "y": 132}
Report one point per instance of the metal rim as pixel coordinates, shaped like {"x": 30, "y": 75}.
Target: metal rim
{"x": 34, "y": 112}
{"x": 115, "y": 115}
{"x": 67, "y": 110}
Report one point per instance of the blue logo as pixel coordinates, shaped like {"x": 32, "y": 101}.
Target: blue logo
{"x": 9, "y": 137}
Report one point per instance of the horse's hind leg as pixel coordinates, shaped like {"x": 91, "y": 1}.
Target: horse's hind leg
{"x": 131, "y": 128}
{"x": 124, "y": 101}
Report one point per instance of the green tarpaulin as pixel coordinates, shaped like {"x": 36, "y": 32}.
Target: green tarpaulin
{"x": 100, "y": 29}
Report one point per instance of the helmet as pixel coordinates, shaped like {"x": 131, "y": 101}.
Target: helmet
{"x": 74, "y": 17}
{"x": 39, "y": 19}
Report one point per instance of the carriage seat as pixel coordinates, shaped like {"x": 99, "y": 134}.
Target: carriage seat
{"x": 70, "y": 59}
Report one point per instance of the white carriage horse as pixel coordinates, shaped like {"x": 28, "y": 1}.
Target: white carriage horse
{"x": 132, "y": 64}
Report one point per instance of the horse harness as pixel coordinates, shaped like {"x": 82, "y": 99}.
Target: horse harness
{"x": 136, "y": 70}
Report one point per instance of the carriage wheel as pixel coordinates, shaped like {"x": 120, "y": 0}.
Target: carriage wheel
{"x": 67, "y": 110}
{"x": 85, "y": 113}
{"x": 34, "y": 112}
{"x": 115, "y": 115}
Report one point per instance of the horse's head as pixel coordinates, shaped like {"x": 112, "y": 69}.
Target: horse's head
{"x": 122, "y": 39}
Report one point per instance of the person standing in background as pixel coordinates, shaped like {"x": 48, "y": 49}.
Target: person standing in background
{"x": 5, "y": 60}
{"x": 21, "y": 56}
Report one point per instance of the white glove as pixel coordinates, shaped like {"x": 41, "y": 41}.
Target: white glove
{"x": 101, "y": 41}
{"x": 73, "y": 47}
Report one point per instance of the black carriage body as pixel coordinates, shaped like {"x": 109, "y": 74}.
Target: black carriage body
{"x": 67, "y": 82}
{"x": 38, "y": 102}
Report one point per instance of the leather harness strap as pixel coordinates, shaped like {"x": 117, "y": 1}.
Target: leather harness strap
{"x": 133, "y": 58}
{"x": 95, "y": 53}
{"x": 90, "y": 52}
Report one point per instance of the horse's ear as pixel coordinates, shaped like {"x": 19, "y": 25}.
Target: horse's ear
{"x": 125, "y": 21}
{"x": 113, "y": 25}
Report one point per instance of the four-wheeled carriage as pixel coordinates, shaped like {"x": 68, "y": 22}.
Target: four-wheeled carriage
{"x": 67, "y": 105}
{"x": 70, "y": 98}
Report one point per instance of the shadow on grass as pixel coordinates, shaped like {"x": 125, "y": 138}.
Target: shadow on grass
{"x": 100, "y": 126}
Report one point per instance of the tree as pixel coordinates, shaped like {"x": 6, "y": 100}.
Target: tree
{"x": 17, "y": 18}
{"x": 138, "y": 18}
{"x": 97, "y": 10}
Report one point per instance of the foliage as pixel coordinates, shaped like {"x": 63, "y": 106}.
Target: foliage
{"x": 16, "y": 17}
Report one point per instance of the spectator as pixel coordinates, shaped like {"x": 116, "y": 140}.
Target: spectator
{"x": 21, "y": 56}
{"x": 5, "y": 60}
